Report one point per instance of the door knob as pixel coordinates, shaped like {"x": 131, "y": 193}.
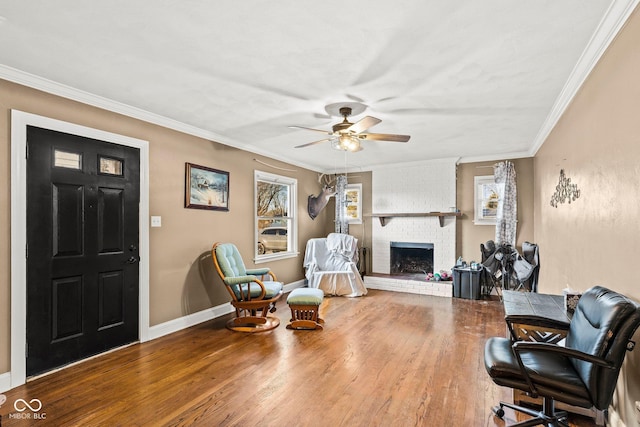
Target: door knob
{"x": 133, "y": 260}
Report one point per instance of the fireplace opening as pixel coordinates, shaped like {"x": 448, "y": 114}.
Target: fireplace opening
{"x": 411, "y": 259}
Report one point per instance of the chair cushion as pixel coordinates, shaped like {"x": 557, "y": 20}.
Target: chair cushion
{"x": 273, "y": 289}
{"x": 230, "y": 260}
{"x": 545, "y": 369}
{"x": 305, "y": 296}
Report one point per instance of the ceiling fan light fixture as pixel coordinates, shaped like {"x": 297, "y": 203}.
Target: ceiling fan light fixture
{"x": 346, "y": 142}
{"x": 346, "y": 136}
{"x": 354, "y": 144}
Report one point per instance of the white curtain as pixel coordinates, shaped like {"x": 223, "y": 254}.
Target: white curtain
{"x": 507, "y": 215}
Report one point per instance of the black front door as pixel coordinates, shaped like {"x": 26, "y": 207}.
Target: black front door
{"x": 82, "y": 247}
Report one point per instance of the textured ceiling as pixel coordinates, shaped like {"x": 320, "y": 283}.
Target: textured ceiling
{"x": 467, "y": 78}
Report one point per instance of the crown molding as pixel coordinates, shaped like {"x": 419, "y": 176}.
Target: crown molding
{"x": 495, "y": 158}
{"x": 609, "y": 27}
{"x": 49, "y": 86}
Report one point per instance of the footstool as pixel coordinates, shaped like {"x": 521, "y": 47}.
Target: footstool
{"x": 304, "y": 304}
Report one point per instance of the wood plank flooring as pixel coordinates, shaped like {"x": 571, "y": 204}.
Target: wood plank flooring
{"x": 386, "y": 359}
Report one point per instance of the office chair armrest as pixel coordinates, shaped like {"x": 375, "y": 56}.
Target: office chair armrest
{"x": 564, "y": 351}
{"x": 520, "y": 346}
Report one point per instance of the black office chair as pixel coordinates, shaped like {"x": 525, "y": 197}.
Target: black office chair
{"x": 582, "y": 373}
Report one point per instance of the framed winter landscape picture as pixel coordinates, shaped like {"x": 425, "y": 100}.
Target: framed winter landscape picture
{"x": 206, "y": 188}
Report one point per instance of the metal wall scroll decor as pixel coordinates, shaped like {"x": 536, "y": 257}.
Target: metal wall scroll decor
{"x": 565, "y": 191}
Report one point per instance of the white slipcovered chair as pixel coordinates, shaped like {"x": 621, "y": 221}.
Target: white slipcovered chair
{"x": 331, "y": 265}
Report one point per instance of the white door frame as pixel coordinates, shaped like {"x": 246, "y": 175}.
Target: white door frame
{"x": 19, "y": 122}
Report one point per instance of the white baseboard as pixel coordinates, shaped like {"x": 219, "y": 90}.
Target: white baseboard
{"x": 184, "y": 322}
{"x": 291, "y": 286}
{"x": 5, "y": 382}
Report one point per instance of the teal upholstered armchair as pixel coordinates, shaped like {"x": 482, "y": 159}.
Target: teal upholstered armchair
{"x": 251, "y": 294}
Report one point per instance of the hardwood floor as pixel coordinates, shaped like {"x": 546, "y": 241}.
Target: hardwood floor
{"x": 386, "y": 359}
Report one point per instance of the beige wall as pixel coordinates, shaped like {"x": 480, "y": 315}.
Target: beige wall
{"x": 468, "y": 235}
{"x": 596, "y": 239}
{"x": 182, "y": 279}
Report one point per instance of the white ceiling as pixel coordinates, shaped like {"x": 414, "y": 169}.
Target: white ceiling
{"x": 466, "y": 79}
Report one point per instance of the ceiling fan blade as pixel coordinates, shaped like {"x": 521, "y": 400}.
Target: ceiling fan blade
{"x": 363, "y": 124}
{"x": 385, "y": 137}
{"x": 312, "y": 143}
{"x": 306, "y": 128}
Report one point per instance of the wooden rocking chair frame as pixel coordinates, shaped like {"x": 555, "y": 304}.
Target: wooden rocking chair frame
{"x": 252, "y": 313}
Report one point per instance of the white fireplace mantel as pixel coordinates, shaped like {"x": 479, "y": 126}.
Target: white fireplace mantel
{"x": 384, "y": 217}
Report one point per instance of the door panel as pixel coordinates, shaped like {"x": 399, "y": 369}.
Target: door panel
{"x": 112, "y": 291}
{"x": 67, "y": 219}
{"x": 110, "y": 220}
{"x": 66, "y": 301}
{"x": 82, "y": 235}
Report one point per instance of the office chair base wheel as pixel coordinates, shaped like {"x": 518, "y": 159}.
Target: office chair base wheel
{"x": 498, "y": 411}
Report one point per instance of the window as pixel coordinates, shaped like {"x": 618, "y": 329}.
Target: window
{"x": 110, "y": 166}
{"x": 486, "y": 200}
{"x": 275, "y": 226}
{"x": 65, "y": 159}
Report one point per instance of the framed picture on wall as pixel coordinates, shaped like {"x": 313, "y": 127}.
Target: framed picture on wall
{"x": 206, "y": 188}
{"x": 353, "y": 203}
{"x": 487, "y": 195}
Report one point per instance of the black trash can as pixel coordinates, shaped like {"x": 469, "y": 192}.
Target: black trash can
{"x": 467, "y": 282}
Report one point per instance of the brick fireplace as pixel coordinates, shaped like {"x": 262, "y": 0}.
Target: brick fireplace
{"x": 414, "y": 188}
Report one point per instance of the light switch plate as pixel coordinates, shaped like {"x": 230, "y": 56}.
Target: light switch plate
{"x": 156, "y": 221}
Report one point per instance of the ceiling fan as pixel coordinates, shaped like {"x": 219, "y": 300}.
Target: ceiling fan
{"x": 346, "y": 136}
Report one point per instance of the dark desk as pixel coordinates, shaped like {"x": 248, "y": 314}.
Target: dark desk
{"x": 540, "y": 317}
{"x": 531, "y": 316}
{"x": 533, "y": 304}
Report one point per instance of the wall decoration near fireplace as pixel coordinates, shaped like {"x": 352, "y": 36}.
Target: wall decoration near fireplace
{"x": 565, "y": 191}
